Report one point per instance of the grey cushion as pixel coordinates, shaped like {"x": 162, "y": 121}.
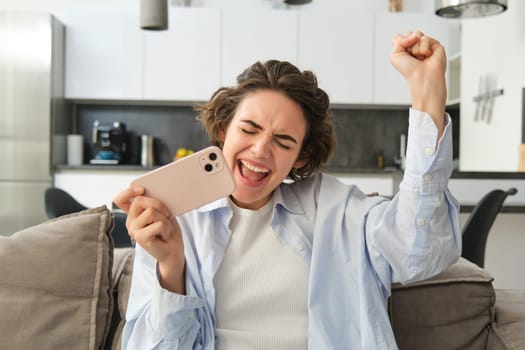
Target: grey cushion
{"x": 56, "y": 282}
{"x": 122, "y": 270}
{"x": 453, "y": 310}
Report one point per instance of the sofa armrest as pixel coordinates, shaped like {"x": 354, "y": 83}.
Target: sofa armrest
{"x": 452, "y": 310}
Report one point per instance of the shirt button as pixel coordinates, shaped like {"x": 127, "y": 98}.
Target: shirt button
{"x": 429, "y": 151}
{"x": 427, "y": 177}
{"x": 420, "y": 222}
{"x": 300, "y": 247}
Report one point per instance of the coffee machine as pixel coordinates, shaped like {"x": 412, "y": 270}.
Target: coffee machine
{"x": 109, "y": 142}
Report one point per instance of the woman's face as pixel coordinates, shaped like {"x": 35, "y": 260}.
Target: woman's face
{"x": 261, "y": 145}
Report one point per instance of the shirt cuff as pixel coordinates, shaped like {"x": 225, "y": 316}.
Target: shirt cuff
{"x": 173, "y": 314}
{"x": 428, "y": 167}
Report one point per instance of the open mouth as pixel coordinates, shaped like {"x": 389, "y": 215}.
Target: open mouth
{"x": 252, "y": 172}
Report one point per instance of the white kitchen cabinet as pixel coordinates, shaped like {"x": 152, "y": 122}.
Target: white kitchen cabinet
{"x": 382, "y": 184}
{"x": 108, "y": 56}
{"x": 338, "y": 47}
{"x": 249, "y": 36}
{"x": 103, "y": 53}
{"x": 183, "y": 62}
{"x": 390, "y": 88}
{"x": 95, "y": 187}
{"x": 454, "y": 79}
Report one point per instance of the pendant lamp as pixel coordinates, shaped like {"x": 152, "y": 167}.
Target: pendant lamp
{"x": 154, "y": 14}
{"x": 469, "y": 8}
{"x": 297, "y": 2}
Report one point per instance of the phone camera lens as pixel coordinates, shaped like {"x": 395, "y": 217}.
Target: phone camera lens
{"x": 208, "y": 167}
{"x": 213, "y": 156}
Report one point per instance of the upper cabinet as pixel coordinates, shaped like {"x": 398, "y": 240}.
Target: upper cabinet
{"x": 390, "y": 88}
{"x": 250, "y": 36}
{"x": 183, "y": 62}
{"x": 104, "y": 51}
{"x": 338, "y": 47}
{"x": 108, "y": 56}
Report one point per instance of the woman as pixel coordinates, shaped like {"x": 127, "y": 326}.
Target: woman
{"x": 299, "y": 265}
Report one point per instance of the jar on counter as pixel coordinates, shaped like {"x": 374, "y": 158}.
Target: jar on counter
{"x": 381, "y": 160}
{"x": 395, "y": 5}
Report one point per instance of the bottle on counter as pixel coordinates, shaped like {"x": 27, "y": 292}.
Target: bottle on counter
{"x": 146, "y": 153}
{"x": 381, "y": 160}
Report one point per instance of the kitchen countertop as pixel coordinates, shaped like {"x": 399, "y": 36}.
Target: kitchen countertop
{"x": 487, "y": 175}
{"x": 340, "y": 171}
{"x": 90, "y": 167}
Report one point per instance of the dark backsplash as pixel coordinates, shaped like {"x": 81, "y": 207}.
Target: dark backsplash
{"x": 361, "y": 133}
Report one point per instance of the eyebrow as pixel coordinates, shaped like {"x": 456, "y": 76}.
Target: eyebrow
{"x": 281, "y": 136}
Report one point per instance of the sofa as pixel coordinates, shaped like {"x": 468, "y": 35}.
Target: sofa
{"x": 64, "y": 286}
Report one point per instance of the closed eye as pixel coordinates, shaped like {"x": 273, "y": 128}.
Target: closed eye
{"x": 282, "y": 145}
{"x": 285, "y": 141}
{"x": 249, "y": 132}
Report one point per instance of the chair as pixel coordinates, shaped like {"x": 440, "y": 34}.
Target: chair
{"x": 477, "y": 227}
{"x": 58, "y": 202}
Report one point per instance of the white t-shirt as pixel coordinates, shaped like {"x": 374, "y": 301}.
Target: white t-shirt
{"x": 261, "y": 288}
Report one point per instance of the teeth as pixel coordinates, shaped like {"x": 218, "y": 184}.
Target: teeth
{"x": 254, "y": 168}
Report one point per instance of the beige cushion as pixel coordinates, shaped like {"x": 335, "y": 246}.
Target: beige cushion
{"x": 55, "y": 283}
{"x": 453, "y": 310}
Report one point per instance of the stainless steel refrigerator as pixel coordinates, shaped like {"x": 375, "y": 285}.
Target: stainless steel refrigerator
{"x": 32, "y": 118}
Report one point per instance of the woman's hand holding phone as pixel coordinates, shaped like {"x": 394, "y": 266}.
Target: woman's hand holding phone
{"x": 150, "y": 224}
{"x": 153, "y": 200}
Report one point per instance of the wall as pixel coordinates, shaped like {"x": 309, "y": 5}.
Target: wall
{"x": 504, "y": 258}
{"x": 494, "y": 45}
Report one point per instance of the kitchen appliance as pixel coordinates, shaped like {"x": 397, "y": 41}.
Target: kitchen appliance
{"x": 110, "y": 143}
{"x": 469, "y": 8}
{"x": 32, "y": 118}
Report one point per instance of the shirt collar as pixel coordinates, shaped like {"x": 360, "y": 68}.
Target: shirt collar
{"x": 218, "y": 204}
{"x": 286, "y": 198}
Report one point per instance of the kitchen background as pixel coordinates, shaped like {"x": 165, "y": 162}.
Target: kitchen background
{"x": 362, "y": 134}
{"x": 114, "y": 71}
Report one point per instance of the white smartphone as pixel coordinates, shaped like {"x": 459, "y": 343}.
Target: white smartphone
{"x": 189, "y": 182}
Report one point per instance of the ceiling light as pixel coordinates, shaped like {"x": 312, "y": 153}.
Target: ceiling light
{"x": 469, "y": 8}
{"x": 297, "y": 2}
{"x": 154, "y": 14}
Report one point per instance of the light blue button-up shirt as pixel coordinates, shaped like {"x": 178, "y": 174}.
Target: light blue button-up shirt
{"x": 356, "y": 247}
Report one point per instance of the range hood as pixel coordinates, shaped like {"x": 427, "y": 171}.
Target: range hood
{"x": 469, "y": 8}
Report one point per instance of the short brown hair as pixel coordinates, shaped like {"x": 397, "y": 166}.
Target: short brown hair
{"x": 301, "y": 87}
